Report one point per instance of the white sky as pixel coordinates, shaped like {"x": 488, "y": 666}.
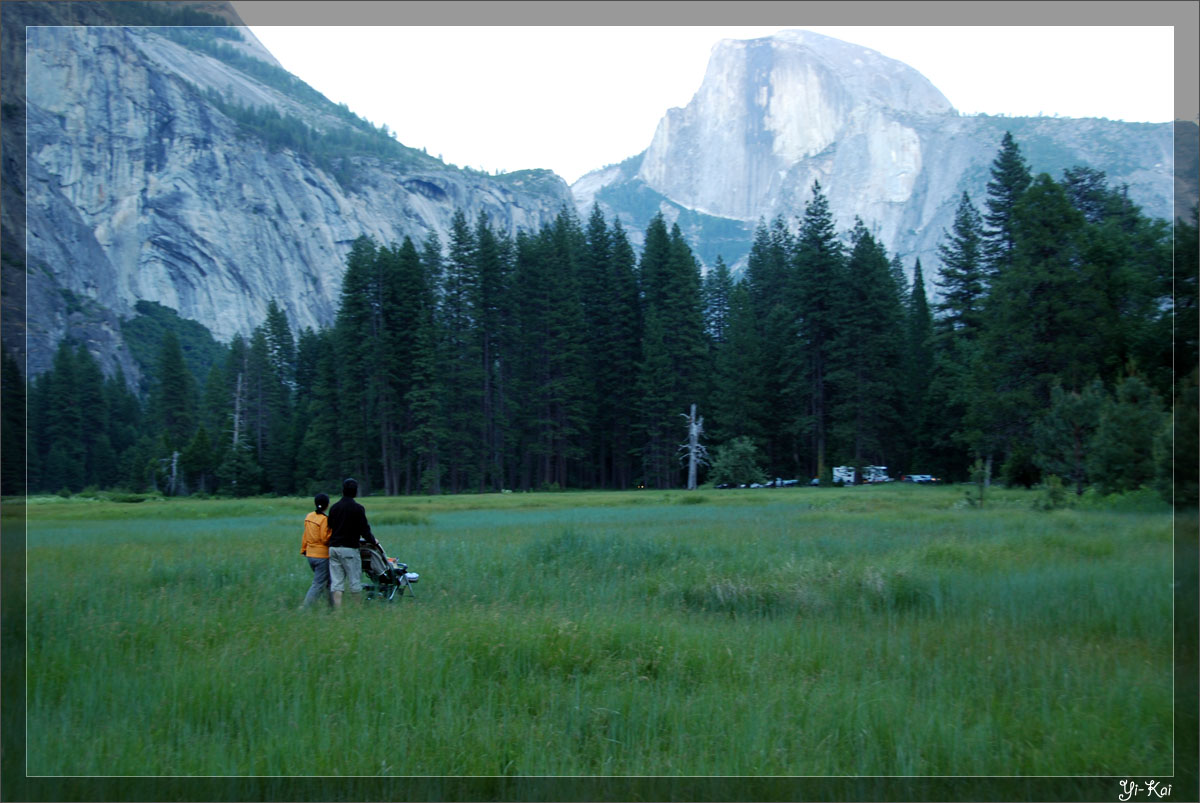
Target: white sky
{"x": 573, "y": 99}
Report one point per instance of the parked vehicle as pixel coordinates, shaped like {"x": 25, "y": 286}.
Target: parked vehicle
{"x": 868, "y": 474}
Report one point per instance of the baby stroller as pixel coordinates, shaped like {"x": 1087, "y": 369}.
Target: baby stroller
{"x": 383, "y": 577}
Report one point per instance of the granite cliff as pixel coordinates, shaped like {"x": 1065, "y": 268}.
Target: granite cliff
{"x": 184, "y": 167}
{"x": 774, "y": 114}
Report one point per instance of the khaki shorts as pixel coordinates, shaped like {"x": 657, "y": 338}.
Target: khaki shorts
{"x": 345, "y": 566}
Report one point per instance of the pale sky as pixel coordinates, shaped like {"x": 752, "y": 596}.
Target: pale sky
{"x": 574, "y": 99}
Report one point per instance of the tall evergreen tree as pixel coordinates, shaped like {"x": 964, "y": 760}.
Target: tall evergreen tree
{"x": 624, "y": 355}
{"x": 1120, "y": 458}
{"x": 865, "y": 369}
{"x": 820, "y": 287}
{"x": 353, "y": 341}
{"x": 670, "y": 279}
{"x": 739, "y": 408}
{"x": 493, "y": 271}
{"x": 1063, "y": 434}
{"x": 962, "y": 275}
{"x": 463, "y": 361}
{"x": 1010, "y": 177}
{"x": 771, "y": 360}
{"x": 99, "y": 457}
{"x": 172, "y": 395}
{"x": 64, "y": 461}
{"x": 716, "y": 290}
{"x": 12, "y": 426}
{"x": 919, "y": 366}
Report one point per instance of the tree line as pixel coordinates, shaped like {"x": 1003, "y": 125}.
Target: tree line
{"x": 562, "y": 359}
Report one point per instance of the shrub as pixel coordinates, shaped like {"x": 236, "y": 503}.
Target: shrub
{"x": 736, "y": 462}
{"x": 1052, "y": 495}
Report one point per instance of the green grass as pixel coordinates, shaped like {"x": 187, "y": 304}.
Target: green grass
{"x": 869, "y": 631}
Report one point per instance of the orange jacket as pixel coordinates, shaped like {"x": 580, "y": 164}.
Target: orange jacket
{"x": 315, "y": 541}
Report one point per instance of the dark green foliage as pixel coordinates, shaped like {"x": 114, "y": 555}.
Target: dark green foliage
{"x": 820, "y": 300}
{"x": 673, "y": 348}
{"x": 1063, "y": 435}
{"x": 199, "y": 462}
{"x": 1010, "y": 177}
{"x": 1186, "y": 294}
{"x": 919, "y": 363}
{"x": 144, "y": 333}
{"x": 239, "y": 473}
{"x": 737, "y": 462}
{"x": 716, "y": 291}
{"x": 866, "y": 359}
{"x": 172, "y": 394}
{"x": 761, "y": 368}
{"x": 561, "y": 359}
{"x": 1122, "y": 457}
{"x": 1178, "y": 467}
{"x": 12, "y": 426}
{"x": 962, "y": 277}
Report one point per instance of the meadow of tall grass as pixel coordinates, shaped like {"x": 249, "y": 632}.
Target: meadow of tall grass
{"x": 876, "y": 631}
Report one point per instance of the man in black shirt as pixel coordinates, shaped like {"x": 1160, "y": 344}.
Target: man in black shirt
{"x": 347, "y": 524}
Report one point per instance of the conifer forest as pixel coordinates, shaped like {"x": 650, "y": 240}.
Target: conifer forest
{"x": 1060, "y": 337}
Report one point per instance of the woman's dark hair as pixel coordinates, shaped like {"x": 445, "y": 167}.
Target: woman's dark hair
{"x": 350, "y": 487}
{"x": 322, "y": 502}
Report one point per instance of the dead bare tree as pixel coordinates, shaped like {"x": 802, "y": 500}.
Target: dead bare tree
{"x": 693, "y": 451}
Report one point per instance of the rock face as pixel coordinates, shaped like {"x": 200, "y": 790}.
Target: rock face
{"x": 777, "y": 113}
{"x": 141, "y": 186}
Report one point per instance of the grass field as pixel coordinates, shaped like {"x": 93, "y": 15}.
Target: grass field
{"x": 860, "y": 631}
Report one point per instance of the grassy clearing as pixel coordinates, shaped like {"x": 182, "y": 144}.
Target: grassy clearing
{"x": 868, "y": 631}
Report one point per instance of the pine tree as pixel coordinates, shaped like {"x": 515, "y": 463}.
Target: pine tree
{"x": 353, "y": 341}
{"x": 739, "y": 407}
{"x": 1010, "y": 177}
{"x": 172, "y": 396}
{"x": 865, "y": 360}
{"x": 491, "y": 302}
{"x": 670, "y": 279}
{"x": 12, "y": 426}
{"x": 99, "y": 457}
{"x": 962, "y": 275}
{"x": 198, "y": 462}
{"x": 1041, "y": 324}
{"x": 598, "y": 300}
{"x": 426, "y": 396}
{"x": 462, "y": 359}
{"x": 1121, "y": 458}
{"x": 1063, "y": 434}
{"x": 919, "y": 366}
{"x": 624, "y": 355}
{"x": 716, "y": 290}
{"x": 64, "y": 463}
{"x": 820, "y": 286}
{"x": 657, "y": 404}
{"x": 125, "y": 419}
{"x": 772, "y": 361}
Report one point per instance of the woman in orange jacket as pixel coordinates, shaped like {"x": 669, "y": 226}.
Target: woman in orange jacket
{"x": 315, "y": 546}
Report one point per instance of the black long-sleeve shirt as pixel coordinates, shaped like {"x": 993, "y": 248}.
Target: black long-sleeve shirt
{"x": 347, "y": 522}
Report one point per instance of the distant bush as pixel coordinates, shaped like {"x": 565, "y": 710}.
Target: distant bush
{"x": 737, "y": 462}
{"x": 1052, "y": 494}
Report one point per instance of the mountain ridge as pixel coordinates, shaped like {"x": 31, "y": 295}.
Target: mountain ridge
{"x": 775, "y": 114}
